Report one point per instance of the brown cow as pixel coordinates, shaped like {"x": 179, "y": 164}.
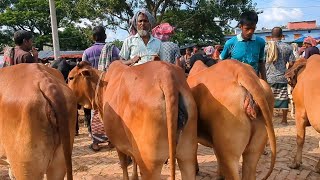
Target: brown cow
{"x": 37, "y": 120}
{"x": 305, "y": 78}
{"x": 148, "y": 113}
{"x": 235, "y": 115}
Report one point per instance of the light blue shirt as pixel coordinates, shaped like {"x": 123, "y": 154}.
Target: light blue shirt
{"x": 134, "y": 45}
{"x": 250, "y": 52}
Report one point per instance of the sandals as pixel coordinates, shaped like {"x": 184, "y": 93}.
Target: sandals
{"x": 94, "y": 147}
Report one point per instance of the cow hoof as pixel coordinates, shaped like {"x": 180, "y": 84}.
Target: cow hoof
{"x": 295, "y": 165}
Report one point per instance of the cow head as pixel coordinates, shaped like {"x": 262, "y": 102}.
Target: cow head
{"x": 293, "y": 72}
{"x": 83, "y": 80}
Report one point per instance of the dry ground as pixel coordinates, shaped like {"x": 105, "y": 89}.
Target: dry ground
{"x": 89, "y": 165}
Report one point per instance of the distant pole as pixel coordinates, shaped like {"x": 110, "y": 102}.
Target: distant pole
{"x": 55, "y": 37}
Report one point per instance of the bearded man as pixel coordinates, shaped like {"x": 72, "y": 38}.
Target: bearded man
{"x": 140, "y": 47}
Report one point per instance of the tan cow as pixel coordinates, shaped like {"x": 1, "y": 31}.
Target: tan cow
{"x": 235, "y": 115}
{"x": 37, "y": 120}
{"x": 304, "y": 76}
{"x": 148, "y": 113}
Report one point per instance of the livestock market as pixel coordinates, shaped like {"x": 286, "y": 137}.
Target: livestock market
{"x": 166, "y": 89}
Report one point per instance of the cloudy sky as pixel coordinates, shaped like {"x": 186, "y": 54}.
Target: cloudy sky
{"x": 275, "y": 13}
{"x": 280, "y": 12}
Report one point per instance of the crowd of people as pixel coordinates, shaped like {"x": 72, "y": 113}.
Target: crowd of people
{"x": 148, "y": 42}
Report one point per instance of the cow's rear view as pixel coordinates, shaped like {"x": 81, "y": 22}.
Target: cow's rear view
{"x": 37, "y": 119}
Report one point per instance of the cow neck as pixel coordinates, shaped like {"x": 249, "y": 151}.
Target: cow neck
{"x": 96, "y": 98}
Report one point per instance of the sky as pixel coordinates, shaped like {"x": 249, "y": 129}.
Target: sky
{"x": 275, "y": 13}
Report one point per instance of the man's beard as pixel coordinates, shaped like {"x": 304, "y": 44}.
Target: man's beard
{"x": 143, "y": 32}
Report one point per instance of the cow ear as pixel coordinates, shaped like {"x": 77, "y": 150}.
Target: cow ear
{"x": 86, "y": 73}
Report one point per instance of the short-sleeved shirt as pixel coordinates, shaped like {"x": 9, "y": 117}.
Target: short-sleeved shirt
{"x": 170, "y": 52}
{"x": 92, "y": 54}
{"x": 134, "y": 45}
{"x": 22, "y": 56}
{"x": 247, "y": 51}
{"x": 275, "y": 71}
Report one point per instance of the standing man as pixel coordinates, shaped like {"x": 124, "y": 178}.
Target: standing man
{"x": 278, "y": 54}
{"x": 310, "y": 45}
{"x": 140, "y": 47}
{"x": 247, "y": 47}
{"x": 170, "y": 51}
{"x": 92, "y": 55}
{"x": 24, "y": 52}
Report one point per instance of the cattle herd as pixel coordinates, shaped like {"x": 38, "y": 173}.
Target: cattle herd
{"x": 151, "y": 112}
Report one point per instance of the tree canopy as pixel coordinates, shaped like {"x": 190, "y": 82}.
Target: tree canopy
{"x": 197, "y": 21}
{"x": 34, "y": 16}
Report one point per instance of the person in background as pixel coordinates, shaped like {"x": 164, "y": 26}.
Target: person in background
{"x": 185, "y": 60}
{"x": 140, "y": 47}
{"x": 24, "y": 52}
{"x": 209, "y": 50}
{"x": 278, "y": 54}
{"x": 216, "y": 53}
{"x": 170, "y": 51}
{"x": 247, "y": 47}
{"x": 311, "y": 49}
{"x": 195, "y": 49}
{"x": 92, "y": 55}
{"x": 295, "y": 50}
{"x": 207, "y": 60}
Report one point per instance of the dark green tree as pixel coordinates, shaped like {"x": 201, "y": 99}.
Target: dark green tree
{"x": 34, "y": 16}
{"x": 198, "y": 21}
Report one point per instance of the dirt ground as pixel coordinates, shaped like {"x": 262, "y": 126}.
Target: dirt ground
{"x": 89, "y": 165}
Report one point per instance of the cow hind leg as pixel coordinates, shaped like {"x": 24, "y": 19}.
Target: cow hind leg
{"x": 57, "y": 167}
{"x": 301, "y": 122}
{"x": 135, "y": 171}
{"x": 187, "y": 168}
{"x": 187, "y": 160}
{"x": 124, "y": 164}
{"x": 254, "y": 150}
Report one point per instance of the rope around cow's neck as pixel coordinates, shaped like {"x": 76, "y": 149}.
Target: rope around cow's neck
{"x": 97, "y": 87}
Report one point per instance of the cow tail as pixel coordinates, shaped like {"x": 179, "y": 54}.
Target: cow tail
{"x": 267, "y": 116}
{"x": 58, "y": 103}
{"x": 171, "y": 107}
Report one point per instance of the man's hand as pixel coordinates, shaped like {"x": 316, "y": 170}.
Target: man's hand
{"x": 34, "y": 53}
{"x": 135, "y": 59}
{"x": 156, "y": 58}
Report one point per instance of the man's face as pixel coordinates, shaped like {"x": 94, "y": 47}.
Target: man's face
{"x": 28, "y": 43}
{"x": 247, "y": 31}
{"x": 143, "y": 25}
{"x": 188, "y": 51}
{"x": 195, "y": 49}
{"x": 307, "y": 45}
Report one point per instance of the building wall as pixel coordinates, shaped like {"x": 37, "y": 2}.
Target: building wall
{"x": 302, "y": 25}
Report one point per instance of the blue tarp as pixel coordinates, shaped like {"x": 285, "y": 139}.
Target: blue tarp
{"x": 300, "y": 39}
